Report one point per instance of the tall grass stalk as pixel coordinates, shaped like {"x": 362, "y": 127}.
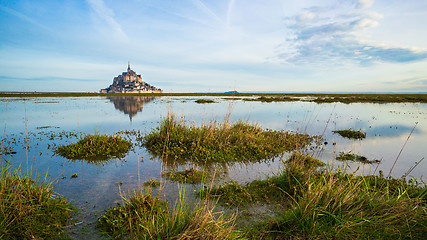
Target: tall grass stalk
{"x": 401, "y": 150}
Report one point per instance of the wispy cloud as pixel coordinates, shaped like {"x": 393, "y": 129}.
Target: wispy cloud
{"x": 338, "y": 34}
{"x": 24, "y": 18}
{"x": 208, "y": 11}
{"x": 106, "y": 16}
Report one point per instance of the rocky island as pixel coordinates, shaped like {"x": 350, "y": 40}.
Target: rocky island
{"x": 130, "y": 82}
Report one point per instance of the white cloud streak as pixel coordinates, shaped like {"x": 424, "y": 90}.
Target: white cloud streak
{"x": 106, "y": 15}
{"x": 321, "y": 39}
{"x": 24, "y": 18}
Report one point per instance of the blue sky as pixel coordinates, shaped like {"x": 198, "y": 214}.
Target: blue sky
{"x": 216, "y": 45}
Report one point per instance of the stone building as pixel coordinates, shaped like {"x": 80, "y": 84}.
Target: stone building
{"x": 130, "y": 82}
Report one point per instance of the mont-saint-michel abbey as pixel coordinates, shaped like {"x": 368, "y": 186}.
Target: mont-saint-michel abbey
{"x": 130, "y": 82}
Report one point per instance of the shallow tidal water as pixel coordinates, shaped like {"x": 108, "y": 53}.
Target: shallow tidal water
{"x": 43, "y": 124}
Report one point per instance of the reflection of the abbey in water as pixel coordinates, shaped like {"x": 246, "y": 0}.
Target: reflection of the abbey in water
{"x": 130, "y": 105}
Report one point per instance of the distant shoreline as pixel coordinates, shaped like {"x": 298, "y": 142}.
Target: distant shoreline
{"x": 253, "y": 96}
{"x": 215, "y": 93}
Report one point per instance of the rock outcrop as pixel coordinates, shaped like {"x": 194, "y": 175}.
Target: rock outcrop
{"x": 130, "y": 82}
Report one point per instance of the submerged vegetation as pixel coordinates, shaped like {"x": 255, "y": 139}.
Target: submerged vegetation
{"x": 30, "y": 209}
{"x": 350, "y": 133}
{"x": 220, "y": 142}
{"x": 143, "y": 216}
{"x": 355, "y": 158}
{"x": 189, "y": 175}
{"x": 96, "y": 148}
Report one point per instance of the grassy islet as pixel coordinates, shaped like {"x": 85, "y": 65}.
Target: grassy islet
{"x": 220, "y": 142}
{"x": 350, "y": 133}
{"x": 96, "y": 148}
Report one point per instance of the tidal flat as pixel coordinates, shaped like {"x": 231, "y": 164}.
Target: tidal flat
{"x": 36, "y": 126}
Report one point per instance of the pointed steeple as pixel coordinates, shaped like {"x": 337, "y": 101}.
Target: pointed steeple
{"x": 128, "y": 66}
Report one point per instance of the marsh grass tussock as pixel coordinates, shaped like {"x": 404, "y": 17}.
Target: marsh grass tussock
{"x": 29, "y": 208}
{"x": 351, "y": 134}
{"x": 142, "y": 216}
{"x": 220, "y": 142}
{"x": 336, "y": 206}
{"x": 201, "y": 101}
{"x": 153, "y": 183}
{"x": 330, "y": 204}
{"x": 322, "y": 203}
{"x": 96, "y": 148}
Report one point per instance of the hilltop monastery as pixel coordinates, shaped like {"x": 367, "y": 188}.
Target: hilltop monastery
{"x": 130, "y": 82}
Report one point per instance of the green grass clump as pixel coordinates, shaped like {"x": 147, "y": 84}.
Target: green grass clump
{"x": 350, "y": 133}
{"x": 95, "y": 148}
{"x": 220, "y": 142}
{"x": 355, "y": 158}
{"x": 30, "y": 209}
{"x": 191, "y": 176}
{"x": 152, "y": 183}
{"x": 201, "y": 101}
{"x": 145, "y": 217}
{"x": 338, "y": 206}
